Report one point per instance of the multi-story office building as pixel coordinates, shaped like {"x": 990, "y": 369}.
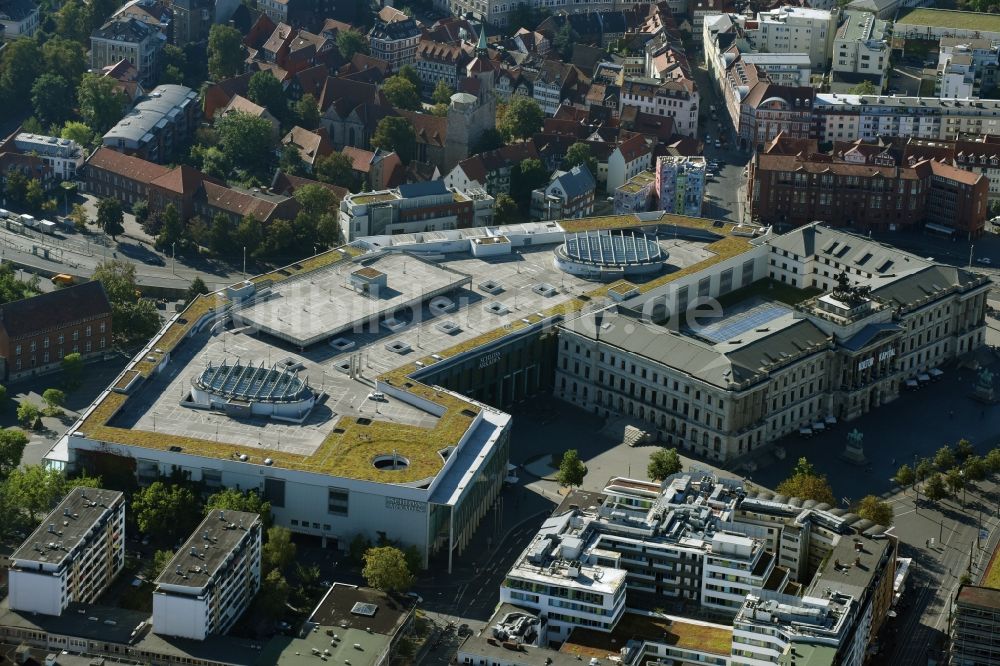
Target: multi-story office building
{"x": 721, "y": 391}
{"x": 157, "y": 125}
{"x": 680, "y": 184}
{"x": 394, "y": 38}
{"x": 212, "y": 579}
{"x": 975, "y": 626}
{"x": 72, "y": 556}
{"x": 793, "y": 30}
{"x": 861, "y": 46}
{"x": 866, "y": 186}
{"x": 413, "y": 208}
{"x": 130, "y": 39}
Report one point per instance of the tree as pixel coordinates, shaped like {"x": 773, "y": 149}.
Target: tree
{"x": 3, "y": 394}
{"x": 266, "y": 90}
{"x": 522, "y": 118}
{"x": 34, "y": 489}
{"x": 337, "y": 169}
{"x": 77, "y": 131}
{"x": 231, "y": 499}
{"x": 401, "y": 93}
{"x": 409, "y": 73}
{"x": 864, "y": 88}
{"x": 171, "y": 229}
{"x": 807, "y": 486}
{"x": 214, "y": 162}
{"x": 12, "y": 289}
{"x": 100, "y": 102}
{"x": 395, "y": 133}
{"x": 579, "y": 153}
{"x": 73, "y": 22}
{"x": 291, "y": 161}
{"x": 100, "y": 10}
{"x": 490, "y": 139}
{"x": 51, "y": 97}
{"x": 225, "y": 52}
{"x": 350, "y": 42}
{"x": 27, "y": 413}
{"x": 20, "y": 65}
{"x": 935, "y": 488}
{"x": 385, "y": 569}
{"x": 72, "y": 367}
{"x": 315, "y": 200}
{"x": 357, "y": 548}
{"x": 663, "y": 463}
{"x": 34, "y": 195}
{"x": 564, "y": 40}
{"x": 249, "y": 234}
{"x": 571, "y": 469}
{"x": 245, "y": 140}
{"x": 278, "y": 552}
{"x": 67, "y": 58}
{"x": 174, "y": 65}
{"x": 925, "y": 468}
{"x": 53, "y": 398}
{"x": 132, "y": 317}
{"x": 442, "y": 93}
{"x": 12, "y": 443}
{"x": 328, "y": 230}
{"x": 954, "y": 479}
{"x": 272, "y": 599}
{"x": 196, "y": 288}
{"x": 525, "y": 177}
{"x": 963, "y": 449}
{"x": 993, "y": 461}
{"x": 220, "y": 236}
{"x": 505, "y": 210}
{"x": 873, "y": 509}
{"x": 975, "y": 468}
{"x": 110, "y": 217}
{"x": 904, "y": 476}
{"x": 17, "y": 189}
{"x": 165, "y": 511}
{"x": 804, "y": 467}
{"x": 161, "y": 559}
{"x": 307, "y": 112}
{"x": 944, "y": 459}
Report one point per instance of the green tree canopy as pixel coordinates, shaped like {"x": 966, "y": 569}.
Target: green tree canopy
{"x": 571, "y": 469}
{"x": 171, "y": 229}
{"x": 954, "y": 479}
{"x": 13, "y": 289}
{"x": 337, "y": 169}
{"x": 12, "y": 443}
{"x": 873, "y": 509}
{"x": 662, "y": 463}
{"x": 73, "y": 22}
{"x": 409, "y": 73}
{"x": 975, "y": 468}
{"x": 904, "y": 476}
{"x": 158, "y": 564}
{"x": 272, "y": 599}
{"x": 993, "y": 460}
{"x": 442, "y": 93}
{"x": 963, "y": 449}
{"x": 386, "y": 569}
{"x": 21, "y": 64}
{"x": 315, "y": 200}
{"x": 32, "y": 491}
{"x": 350, "y": 42}
{"x": 53, "y": 398}
{"x": 110, "y": 217}
{"x": 27, "y": 413}
{"x": 266, "y": 90}
{"x": 196, "y": 288}
{"x": 101, "y": 104}
{"x": 77, "y": 131}
{"x": 279, "y": 550}
{"x": 944, "y": 459}
{"x": 864, "y": 88}
{"x": 52, "y": 99}
{"x": 935, "y": 488}
{"x": 132, "y": 317}
{"x": 166, "y": 512}
{"x": 401, "y": 93}
{"x": 924, "y": 469}
{"x": 306, "y": 112}
{"x": 67, "y": 58}
{"x": 396, "y": 133}
{"x": 804, "y": 482}
{"x": 505, "y": 210}
{"x": 231, "y": 499}
{"x": 580, "y": 153}
{"x": 564, "y": 40}
{"x": 525, "y": 177}
{"x": 522, "y": 118}
{"x": 72, "y": 368}
{"x": 245, "y": 140}
{"x": 225, "y": 52}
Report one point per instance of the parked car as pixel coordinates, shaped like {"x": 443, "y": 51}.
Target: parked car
{"x": 985, "y": 261}
{"x": 377, "y": 396}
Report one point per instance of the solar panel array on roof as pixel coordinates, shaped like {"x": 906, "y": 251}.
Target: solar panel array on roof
{"x": 246, "y": 382}
{"x": 607, "y": 247}
{"x": 361, "y": 608}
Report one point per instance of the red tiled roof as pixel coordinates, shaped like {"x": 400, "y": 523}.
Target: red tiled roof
{"x": 131, "y": 167}
{"x": 182, "y": 180}
{"x": 361, "y": 159}
{"x": 633, "y": 148}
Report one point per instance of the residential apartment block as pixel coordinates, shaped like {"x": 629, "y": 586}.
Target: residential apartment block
{"x": 37, "y": 333}
{"x": 975, "y": 626}
{"x": 72, "y": 556}
{"x": 18, "y": 18}
{"x": 861, "y": 46}
{"x": 569, "y": 194}
{"x": 680, "y": 184}
{"x": 413, "y": 208}
{"x": 394, "y": 38}
{"x": 63, "y": 156}
{"x": 865, "y": 186}
{"x": 637, "y": 195}
{"x": 979, "y": 155}
{"x": 130, "y": 39}
{"x": 158, "y": 124}
{"x": 791, "y": 29}
{"x": 676, "y": 99}
{"x": 966, "y": 68}
{"x": 212, "y": 579}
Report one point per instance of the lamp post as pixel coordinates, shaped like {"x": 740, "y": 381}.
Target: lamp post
{"x": 173, "y": 258}
{"x": 244, "y": 263}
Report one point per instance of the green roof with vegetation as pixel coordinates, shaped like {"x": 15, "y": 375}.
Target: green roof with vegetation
{"x": 949, "y": 18}
{"x": 991, "y": 577}
{"x": 352, "y": 443}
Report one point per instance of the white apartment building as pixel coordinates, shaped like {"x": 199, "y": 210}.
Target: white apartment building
{"x": 678, "y": 99}
{"x": 629, "y": 158}
{"x": 412, "y": 208}
{"x": 680, "y": 184}
{"x": 861, "y": 45}
{"x": 966, "y": 68}
{"x": 555, "y": 578}
{"x": 734, "y": 566}
{"x": 72, "y": 556}
{"x": 212, "y": 579}
{"x": 131, "y": 39}
{"x": 64, "y": 156}
{"x": 783, "y": 69}
{"x": 394, "y": 38}
{"x": 725, "y": 43}
{"x": 793, "y": 30}
{"x": 850, "y": 117}
{"x": 18, "y": 18}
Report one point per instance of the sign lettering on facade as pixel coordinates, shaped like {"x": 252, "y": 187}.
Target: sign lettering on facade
{"x": 487, "y": 360}
{"x": 867, "y": 363}
{"x": 884, "y": 355}
{"x": 401, "y": 504}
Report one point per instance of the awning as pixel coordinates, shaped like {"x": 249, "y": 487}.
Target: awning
{"x": 911, "y": 383}
{"x": 923, "y": 377}
{"x": 939, "y": 228}
{"x": 831, "y": 420}
{"x": 819, "y": 426}
{"x": 934, "y": 372}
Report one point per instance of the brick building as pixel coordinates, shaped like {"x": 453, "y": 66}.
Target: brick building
{"x": 864, "y": 186}
{"x": 37, "y": 333}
